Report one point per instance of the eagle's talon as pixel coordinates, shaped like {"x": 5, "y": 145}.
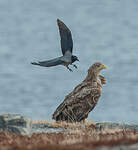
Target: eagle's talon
{"x": 103, "y": 79}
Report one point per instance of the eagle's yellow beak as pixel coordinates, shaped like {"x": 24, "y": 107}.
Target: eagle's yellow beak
{"x": 104, "y": 66}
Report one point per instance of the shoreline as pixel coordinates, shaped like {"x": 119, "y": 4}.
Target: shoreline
{"x": 19, "y": 132}
{"x": 19, "y": 124}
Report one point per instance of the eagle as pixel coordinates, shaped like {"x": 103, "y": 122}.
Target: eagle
{"x": 82, "y": 100}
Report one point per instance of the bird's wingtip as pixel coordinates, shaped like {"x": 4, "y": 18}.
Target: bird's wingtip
{"x": 58, "y": 20}
{"x": 34, "y": 63}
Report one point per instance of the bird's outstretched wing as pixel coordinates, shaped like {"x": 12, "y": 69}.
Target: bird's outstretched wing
{"x": 49, "y": 63}
{"x": 65, "y": 37}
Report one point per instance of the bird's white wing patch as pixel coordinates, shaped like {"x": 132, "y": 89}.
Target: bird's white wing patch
{"x": 67, "y": 56}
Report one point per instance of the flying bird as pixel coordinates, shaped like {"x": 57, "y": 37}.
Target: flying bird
{"x": 67, "y": 48}
{"x": 82, "y": 100}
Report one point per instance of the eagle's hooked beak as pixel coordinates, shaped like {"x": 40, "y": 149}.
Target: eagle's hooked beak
{"x": 104, "y": 66}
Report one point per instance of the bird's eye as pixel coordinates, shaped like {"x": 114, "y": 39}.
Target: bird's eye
{"x": 98, "y": 65}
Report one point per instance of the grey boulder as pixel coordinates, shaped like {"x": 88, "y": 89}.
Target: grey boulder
{"x": 15, "y": 123}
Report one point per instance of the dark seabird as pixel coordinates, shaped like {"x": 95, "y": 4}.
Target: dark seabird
{"x": 67, "y": 48}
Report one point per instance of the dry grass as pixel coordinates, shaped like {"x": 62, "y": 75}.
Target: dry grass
{"x": 82, "y": 138}
{"x": 65, "y": 125}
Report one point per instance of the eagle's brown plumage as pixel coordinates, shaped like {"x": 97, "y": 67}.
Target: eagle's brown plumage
{"x": 83, "y": 98}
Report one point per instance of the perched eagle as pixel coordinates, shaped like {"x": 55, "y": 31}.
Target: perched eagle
{"x": 83, "y": 98}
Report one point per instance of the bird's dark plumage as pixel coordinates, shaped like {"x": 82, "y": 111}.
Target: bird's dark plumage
{"x": 49, "y": 63}
{"x": 65, "y": 37}
{"x": 67, "y": 48}
{"x": 83, "y": 98}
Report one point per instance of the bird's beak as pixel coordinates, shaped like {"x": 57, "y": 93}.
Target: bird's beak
{"x": 77, "y": 59}
{"x": 104, "y": 66}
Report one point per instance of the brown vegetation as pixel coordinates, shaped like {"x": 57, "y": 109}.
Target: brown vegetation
{"x": 79, "y": 139}
{"x": 66, "y": 125}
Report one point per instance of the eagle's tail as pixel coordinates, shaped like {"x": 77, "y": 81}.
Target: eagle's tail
{"x": 64, "y": 116}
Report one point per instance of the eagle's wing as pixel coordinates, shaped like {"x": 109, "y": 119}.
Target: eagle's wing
{"x": 89, "y": 104}
{"x": 77, "y": 105}
{"x": 68, "y": 100}
{"x": 65, "y": 37}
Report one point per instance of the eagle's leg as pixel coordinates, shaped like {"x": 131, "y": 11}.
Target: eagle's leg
{"x": 75, "y": 66}
{"x": 69, "y": 69}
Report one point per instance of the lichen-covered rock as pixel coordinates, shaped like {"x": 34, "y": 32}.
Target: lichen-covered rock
{"x": 15, "y": 123}
{"x": 45, "y": 128}
{"x": 108, "y": 125}
{"x": 19, "y": 124}
{"x": 56, "y": 127}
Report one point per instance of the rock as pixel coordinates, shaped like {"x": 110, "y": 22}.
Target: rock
{"x": 108, "y": 125}
{"x": 19, "y": 124}
{"x": 44, "y": 128}
{"x": 15, "y": 123}
{"x": 50, "y": 127}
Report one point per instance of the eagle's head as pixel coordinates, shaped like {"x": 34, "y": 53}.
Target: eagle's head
{"x": 94, "y": 70}
{"x": 97, "y": 67}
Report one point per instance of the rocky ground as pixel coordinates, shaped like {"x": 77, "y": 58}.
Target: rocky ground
{"x": 19, "y": 132}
